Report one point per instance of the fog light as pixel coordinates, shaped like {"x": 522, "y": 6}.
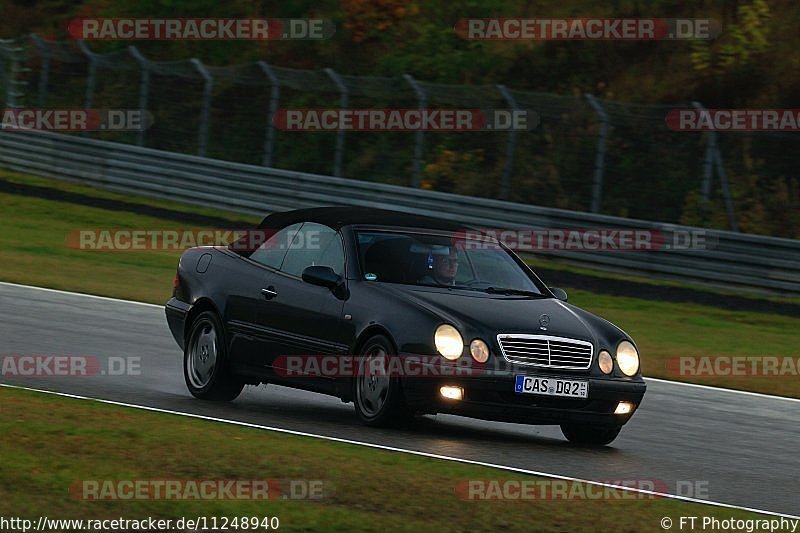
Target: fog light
{"x": 624, "y": 408}
{"x": 452, "y": 393}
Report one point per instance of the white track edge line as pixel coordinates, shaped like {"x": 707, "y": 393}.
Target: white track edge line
{"x": 134, "y": 302}
{"x": 402, "y": 450}
{"x": 71, "y": 293}
{"x": 723, "y": 389}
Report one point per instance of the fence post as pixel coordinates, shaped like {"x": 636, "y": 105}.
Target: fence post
{"x": 269, "y": 135}
{"x": 419, "y": 136}
{"x": 726, "y": 192}
{"x": 5, "y": 73}
{"x": 144, "y": 89}
{"x": 337, "y": 166}
{"x": 202, "y": 134}
{"x": 713, "y": 159}
{"x": 708, "y": 161}
{"x": 505, "y": 180}
{"x": 44, "y": 72}
{"x": 11, "y": 51}
{"x": 600, "y": 155}
{"x": 90, "y": 79}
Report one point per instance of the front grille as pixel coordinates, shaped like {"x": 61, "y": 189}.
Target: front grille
{"x": 546, "y": 351}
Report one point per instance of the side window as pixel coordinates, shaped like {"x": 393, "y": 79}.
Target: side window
{"x": 273, "y": 250}
{"x": 466, "y": 271}
{"x": 314, "y": 245}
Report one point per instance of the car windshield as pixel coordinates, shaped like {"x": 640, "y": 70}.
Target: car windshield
{"x": 442, "y": 260}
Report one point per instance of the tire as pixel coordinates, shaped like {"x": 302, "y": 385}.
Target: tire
{"x": 588, "y": 435}
{"x": 204, "y": 360}
{"x": 378, "y": 397}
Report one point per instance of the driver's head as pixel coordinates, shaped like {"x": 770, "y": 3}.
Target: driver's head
{"x": 445, "y": 267}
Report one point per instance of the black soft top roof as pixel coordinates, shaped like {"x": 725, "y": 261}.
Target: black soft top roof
{"x": 336, "y": 217}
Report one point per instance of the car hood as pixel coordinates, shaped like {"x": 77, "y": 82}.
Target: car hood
{"x": 480, "y": 312}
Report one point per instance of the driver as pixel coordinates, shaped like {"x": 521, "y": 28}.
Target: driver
{"x": 441, "y": 268}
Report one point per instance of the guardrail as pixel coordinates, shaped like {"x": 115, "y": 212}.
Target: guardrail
{"x": 747, "y": 261}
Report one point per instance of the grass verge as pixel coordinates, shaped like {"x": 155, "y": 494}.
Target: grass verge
{"x": 51, "y": 444}
{"x": 33, "y": 250}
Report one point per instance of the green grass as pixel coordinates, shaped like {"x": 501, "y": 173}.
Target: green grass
{"x": 50, "y": 443}
{"x": 33, "y": 250}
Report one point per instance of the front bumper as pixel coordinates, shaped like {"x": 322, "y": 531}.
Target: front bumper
{"x": 492, "y": 397}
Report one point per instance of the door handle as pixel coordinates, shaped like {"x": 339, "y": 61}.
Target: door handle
{"x": 269, "y": 292}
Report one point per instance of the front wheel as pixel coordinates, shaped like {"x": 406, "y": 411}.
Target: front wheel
{"x": 378, "y": 395}
{"x": 204, "y": 361}
{"x": 589, "y": 435}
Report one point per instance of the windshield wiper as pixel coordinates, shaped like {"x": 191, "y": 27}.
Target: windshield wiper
{"x": 442, "y": 286}
{"x": 510, "y": 291}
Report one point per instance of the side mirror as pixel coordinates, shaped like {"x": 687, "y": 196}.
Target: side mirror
{"x": 323, "y": 276}
{"x": 559, "y": 293}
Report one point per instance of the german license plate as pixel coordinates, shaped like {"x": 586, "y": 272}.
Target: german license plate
{"x": 551, "y": 386}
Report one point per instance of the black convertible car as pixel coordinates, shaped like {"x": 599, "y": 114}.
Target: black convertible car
{"x": 330, "y": 299}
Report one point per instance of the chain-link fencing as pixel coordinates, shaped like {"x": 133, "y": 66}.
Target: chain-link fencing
{"x": 585, "y": 154}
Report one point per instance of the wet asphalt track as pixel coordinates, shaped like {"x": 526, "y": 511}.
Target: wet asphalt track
{"x": 743, "y": 449}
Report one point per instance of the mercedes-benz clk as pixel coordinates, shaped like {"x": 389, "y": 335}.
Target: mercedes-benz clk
{"x": 402, "y": 315}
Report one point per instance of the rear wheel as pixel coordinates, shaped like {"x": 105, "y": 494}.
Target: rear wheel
{"x": 589, "y": 435}
{"x": 378, "y": 396}
{"x": 204, "y": 360}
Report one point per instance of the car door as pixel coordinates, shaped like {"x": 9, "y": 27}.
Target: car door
{"x": 240, "y": 280}
{"x": 307, "y": 318}
{"x": 254, "y": 287}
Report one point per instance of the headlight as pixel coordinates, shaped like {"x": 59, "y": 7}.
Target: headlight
{"x": 605, "y": 361}
{"x": 449, "y": 342}
{"x": 479, "y": 350}
{"x": 627, "y": 358}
